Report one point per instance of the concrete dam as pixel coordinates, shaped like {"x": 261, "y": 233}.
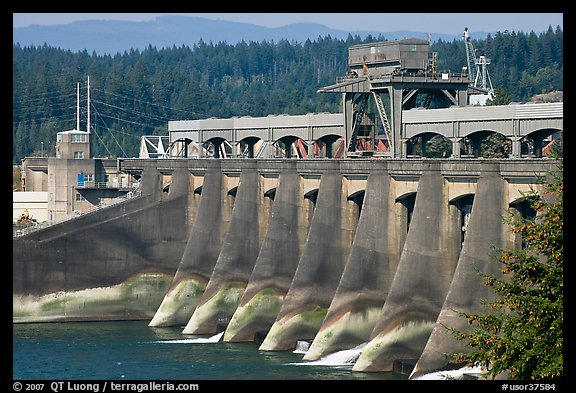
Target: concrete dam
{"x": 338, "y": 253}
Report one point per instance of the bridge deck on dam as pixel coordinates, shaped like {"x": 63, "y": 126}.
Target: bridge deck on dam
{"x": 514, "y": 121}
{"x": 449, "y": 167}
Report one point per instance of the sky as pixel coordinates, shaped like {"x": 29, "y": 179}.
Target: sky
{"x": 445, "y": 23}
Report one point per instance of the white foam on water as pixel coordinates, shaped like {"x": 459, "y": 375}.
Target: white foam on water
{"x": 301, "y": 347}
{"x": 450, "y": 374}
{"x": 345, "y": 357}
{"x": 214, "y": 339}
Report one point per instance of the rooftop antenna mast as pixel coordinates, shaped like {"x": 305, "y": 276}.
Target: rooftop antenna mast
{"x": 78, "y": 106}
{"x": 88, "y": 121}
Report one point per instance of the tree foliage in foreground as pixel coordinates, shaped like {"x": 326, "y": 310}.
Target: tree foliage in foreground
{"x": 522, "y": 332}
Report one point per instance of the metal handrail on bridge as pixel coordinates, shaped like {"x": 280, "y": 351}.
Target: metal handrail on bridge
{"x": 137, "y": 192}
{"x": 102, "y": 185}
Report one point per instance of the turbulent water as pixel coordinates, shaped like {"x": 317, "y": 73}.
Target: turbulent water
{"x": 135, "y": 351}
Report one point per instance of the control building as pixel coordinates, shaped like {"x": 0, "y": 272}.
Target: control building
{"x": 74, "y": 181}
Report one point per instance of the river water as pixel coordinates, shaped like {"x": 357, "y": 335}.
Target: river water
{"x": 130, "y": 350}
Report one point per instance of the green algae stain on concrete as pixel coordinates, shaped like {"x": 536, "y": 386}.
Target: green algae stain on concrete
{"x": 56, "y": 305}
{"x": 179, "y": 303}
{"x": 145, "y": 285}
{"x": 136, "y": 298}
{"x": 265, "y": 304}
{"x": 312, "y": 317}
{"x": 221, "y": 306}
{"x": 228, "y": 297}
{"x": 281, "y": 335}
{"x": 189, "y": 289}
{"x": 352, "y": 324}
{"x": 411, "y": 334}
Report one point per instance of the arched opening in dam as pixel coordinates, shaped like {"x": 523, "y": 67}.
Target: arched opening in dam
{"x": 522, "y": 207}
{"x": 310, "y": 199}
{"x": 329, "y": 146}
{"x": 407, "y": 202}
{"x": 217, "y": 147}
{"x": 233, "y": 191}
{"x": 536, "y": 144}
{"x": 267, "y": 205}
{"x": 464, "y": 206}
{"x": 357, "y": 200}
{"x": 248, "y": 146}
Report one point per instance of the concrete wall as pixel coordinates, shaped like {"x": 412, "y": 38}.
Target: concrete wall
{"x": 340, "y": 253}
{"x": 319, "y": 268}
{"x": 466, "y": 289}
{"x": 236, "y": 259}
{"x": 116, "y": 263}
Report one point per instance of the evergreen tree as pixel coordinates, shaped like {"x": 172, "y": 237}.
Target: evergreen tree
{"x": 496, "y": 145}
{"x": 135, "y": 92}
{"x": 522, "y": 331}
{"x": 499, "y": 97}
{"x": 439, "y": 147}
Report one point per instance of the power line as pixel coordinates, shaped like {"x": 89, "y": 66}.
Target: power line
{"x": 125, "y": 121}
{"x": 61, "y": 101}
{"x": 153, "y": 104}
{"x": 58, "y": 102}
{"x": 112, "y": 134}
{"x": 37, "y": 120}
{"x": 153, "y": 117}
{"x": 23, "y": 106}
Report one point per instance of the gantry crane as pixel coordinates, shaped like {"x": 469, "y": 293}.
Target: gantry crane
{"x": 477, "y": 67}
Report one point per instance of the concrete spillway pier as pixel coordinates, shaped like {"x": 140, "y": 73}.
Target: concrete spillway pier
{"x": 486, "y": 231}
{"x": 367, "y": 275}
{"x": 236, "y": 260}
{"x": 276, "y": 263}
{"x": 421, "y": 281}
{"x": 201, "y": 252}
{"x": 339, "y": 253}
{"x": 319, "y": 269}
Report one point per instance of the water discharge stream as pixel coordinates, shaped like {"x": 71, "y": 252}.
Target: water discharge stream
{"x": 214, "y": 339}
{"x": 346, "y": 357}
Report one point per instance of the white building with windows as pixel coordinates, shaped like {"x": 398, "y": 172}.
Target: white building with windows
{"x": 35, "y": 203}
{"x": 73, "y": 144}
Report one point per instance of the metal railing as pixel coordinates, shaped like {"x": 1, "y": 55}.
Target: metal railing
{"x": 137, "y": 192}
{"x": 103, "y": 185}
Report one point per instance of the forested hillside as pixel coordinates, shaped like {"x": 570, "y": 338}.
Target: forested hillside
{"x": 138, "y": 92}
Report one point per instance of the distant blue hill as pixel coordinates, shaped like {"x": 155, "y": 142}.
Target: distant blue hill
{"x": 111, "y": 37}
